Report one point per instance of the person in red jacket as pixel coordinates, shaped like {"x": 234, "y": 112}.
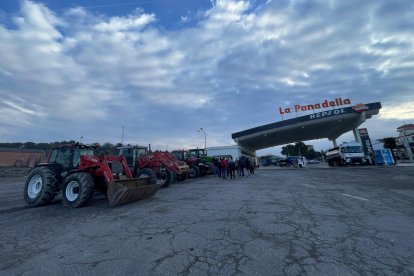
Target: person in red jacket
{"x": 223, "y": 167}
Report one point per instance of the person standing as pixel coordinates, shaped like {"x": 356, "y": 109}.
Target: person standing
{"x": 242, "y": 164}
{"x": 248, "y": 165}
{"x": 223, "y": 167}
{"x": 253, "y": 165}
{"x": 232, "y": 167}
{"x": 217, "y": 167}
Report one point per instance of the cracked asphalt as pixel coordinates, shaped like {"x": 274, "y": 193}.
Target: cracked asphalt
{"x": 326, "y": 221}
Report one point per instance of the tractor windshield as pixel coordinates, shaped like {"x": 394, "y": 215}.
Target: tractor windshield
{"x": 61, "y": 156}
{"x": 129, "y": 156}
{"x": 180, "y": 155}
{"x": 77, "y": 154}
{"x": 196, "y": 152}
{"x": 132, "y": 154}
{"x": 140, "y": 152}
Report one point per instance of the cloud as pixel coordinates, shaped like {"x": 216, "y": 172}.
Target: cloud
{"x": 130, "y": 23}
{"x": 402, "y": 111}
{"x": 226, "y": 72}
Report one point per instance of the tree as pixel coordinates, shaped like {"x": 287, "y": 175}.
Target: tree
{"x": 109, "y": 148}
{"x": 389, "y": 143}
{"x": 300, "y": 149}
{"x": 289, "y": 150}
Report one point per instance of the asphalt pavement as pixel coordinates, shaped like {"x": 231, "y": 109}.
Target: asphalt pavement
{"x": 310, "y": 221}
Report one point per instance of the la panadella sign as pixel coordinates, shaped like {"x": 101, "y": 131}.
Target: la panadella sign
{"x": 325, "y": 104}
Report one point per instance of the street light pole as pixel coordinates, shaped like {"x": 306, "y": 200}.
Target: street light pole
{"x": 205, "y": 137}
{"x": 122, "y": 137}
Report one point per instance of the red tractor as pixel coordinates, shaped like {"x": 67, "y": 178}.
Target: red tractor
{"x": 161, "y": 165}
{"x": 197, "y": 167}
{"x": 76, "y": 171}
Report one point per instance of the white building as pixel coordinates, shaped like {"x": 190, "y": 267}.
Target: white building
{"x": 235, "y": 151}
{"x": 405, "y": 141}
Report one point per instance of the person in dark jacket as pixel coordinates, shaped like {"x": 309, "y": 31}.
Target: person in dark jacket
{"x": 232, "y": 168}
{"x": 217, "y": 167}
{"x": 252, "y": 164}
{"x": 241, "y": 166}
{"x": 248, "y": 165}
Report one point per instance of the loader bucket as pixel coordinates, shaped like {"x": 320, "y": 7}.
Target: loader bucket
{"x": 128, "y": 190}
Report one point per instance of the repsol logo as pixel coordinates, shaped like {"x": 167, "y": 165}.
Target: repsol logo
{"x": 327, "y": 113}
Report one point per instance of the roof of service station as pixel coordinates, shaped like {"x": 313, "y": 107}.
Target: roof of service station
{"x": 326, "y": 124}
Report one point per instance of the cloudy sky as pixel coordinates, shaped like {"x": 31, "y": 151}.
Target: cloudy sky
{"x": 165, "y": 68}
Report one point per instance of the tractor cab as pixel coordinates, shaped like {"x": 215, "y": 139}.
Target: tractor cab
{"x": 197, "y": 153}
{"x": 181, "y": 155}
{"x": 132, "y": 154}
{"x": 67, "y": 157}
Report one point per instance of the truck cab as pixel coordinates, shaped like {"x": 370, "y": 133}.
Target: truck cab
{"x": 350, "y": 153}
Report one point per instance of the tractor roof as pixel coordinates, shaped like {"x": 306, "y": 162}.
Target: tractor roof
{"x": 79, "y": 145}
{"x": 132, "y": 147}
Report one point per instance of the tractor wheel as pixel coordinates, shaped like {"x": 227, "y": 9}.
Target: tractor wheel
{"x": 40, "y": 187}
{"x": 77, "y": 190}
{"x": 198, "y": 172}
{"x": 147, "y": 172}
{"x": 192, "y": 173}
{"x": 165, "y": 179}
{"x": 182, "y": 176}
{"x": 210, "y": 167}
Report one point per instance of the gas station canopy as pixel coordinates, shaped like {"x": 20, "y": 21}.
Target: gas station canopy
{"x": 326, "y": 124}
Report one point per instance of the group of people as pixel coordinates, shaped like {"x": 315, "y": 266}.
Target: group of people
{"x": 225, "y": 167}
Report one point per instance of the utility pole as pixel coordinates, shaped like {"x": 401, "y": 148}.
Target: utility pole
{"x": 122, "y": 138}
{"x": 205, "y": 137}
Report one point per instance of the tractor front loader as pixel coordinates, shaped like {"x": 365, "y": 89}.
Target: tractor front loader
{"x": 161, "y": 165}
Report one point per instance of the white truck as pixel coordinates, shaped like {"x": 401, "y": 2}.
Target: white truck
{"x": 348, "y": 153}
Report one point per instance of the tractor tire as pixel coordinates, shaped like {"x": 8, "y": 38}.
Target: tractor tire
{"x": 77, "y": 190}
{"x": 198, "y": 172}
{"x": 165, "y": 180}
{"x": 210, "y": 168}
{"x": 192, "y": 173}
{"x": 182, "y": 176}
{"x": 147, "y": 172}
{"x": 40, "y": 187}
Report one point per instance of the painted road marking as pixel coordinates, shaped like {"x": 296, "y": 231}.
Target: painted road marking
{"x": 357, "y": 197}
{"x": 309, "y": 185}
